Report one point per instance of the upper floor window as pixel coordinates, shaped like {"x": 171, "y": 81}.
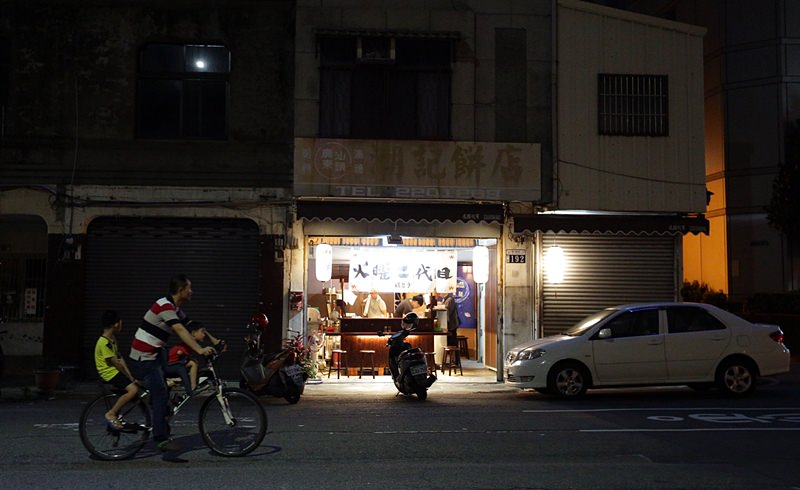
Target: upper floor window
{"x": 384, "y": 87}
{"x": 183, "y": 91}
{"x": 633, "y": 105}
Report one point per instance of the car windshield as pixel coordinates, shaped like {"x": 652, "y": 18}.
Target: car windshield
{"x": 590, "y": 321}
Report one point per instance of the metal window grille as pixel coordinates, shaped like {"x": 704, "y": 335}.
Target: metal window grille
{"x": 633, "y": 105}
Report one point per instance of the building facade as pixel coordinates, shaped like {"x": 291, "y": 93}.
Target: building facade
{"x": 138, "y": 142}
{"x": 563, "y": 138}
{"x": 751, "y": 112}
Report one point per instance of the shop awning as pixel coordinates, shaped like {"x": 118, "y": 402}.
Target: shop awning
{"x": 404, "y": 212}
{"x": 612, "y": 223}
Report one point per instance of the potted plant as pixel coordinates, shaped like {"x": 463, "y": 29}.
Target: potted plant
{"x": 46, "y": 377}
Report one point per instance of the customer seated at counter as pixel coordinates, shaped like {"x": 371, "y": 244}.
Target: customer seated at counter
{"x": 374, "y": 306}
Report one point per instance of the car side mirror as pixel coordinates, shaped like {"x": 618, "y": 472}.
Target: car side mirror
{"x": 604, "y": 333}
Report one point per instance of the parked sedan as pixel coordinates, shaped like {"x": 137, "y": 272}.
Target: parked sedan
{"x": 651, "y": 344}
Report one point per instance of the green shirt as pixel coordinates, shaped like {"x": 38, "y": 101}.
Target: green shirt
{"x": 104, "y": 349}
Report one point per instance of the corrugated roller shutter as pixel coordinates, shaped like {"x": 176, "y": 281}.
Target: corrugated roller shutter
{"x": 607, "y": 270}
{"x": 129, "y": 262}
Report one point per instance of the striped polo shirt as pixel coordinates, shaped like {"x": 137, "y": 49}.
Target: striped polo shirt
{"x": 156, "y": 327}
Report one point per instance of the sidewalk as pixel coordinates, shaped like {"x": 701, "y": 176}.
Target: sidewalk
{"x": 476, "y": 379}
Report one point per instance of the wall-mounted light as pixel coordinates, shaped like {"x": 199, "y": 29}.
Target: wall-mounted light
{"x": 324, "y": 257}
{"x": 555, "y": 264}
{"x": 480, "y": 264}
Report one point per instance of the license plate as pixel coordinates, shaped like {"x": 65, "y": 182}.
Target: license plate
{"x": 418, "y": 369}
{"x": 295, "y": 373}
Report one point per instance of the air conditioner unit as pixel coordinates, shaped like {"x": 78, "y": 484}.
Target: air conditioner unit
{"x": 375, "y": 49}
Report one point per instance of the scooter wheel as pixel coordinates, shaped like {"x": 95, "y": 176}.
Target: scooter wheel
{"x": 292, "y": 394}
{"x": 422, "y": 395}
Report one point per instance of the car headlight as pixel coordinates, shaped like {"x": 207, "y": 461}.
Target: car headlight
{"x": 529, "y": 354}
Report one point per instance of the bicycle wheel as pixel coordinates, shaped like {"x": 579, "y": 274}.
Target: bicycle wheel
{"x": 247, "y": 427}
{"x": 106, "y": 442}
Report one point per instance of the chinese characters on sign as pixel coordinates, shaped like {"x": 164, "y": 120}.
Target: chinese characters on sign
{"x": 417, "y": 169}
{"x": 403, "y": 270}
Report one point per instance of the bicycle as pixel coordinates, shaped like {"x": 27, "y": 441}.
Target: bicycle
{"x": 236, "y": 429}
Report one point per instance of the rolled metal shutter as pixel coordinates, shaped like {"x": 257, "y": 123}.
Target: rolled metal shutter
{"x": 607, "y": 270}
{"x": 129, "y": 262}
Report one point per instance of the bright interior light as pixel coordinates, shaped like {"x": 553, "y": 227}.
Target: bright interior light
{"x": 200, "y": 64}
{"x": 480, "y": 264}
{"x": 555, "y": 264}
{"x": 324, "y": 257}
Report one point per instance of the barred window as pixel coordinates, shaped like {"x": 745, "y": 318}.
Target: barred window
{"x": 633, "y": 105}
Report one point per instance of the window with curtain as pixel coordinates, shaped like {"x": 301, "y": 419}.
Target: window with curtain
{"x": 182, "y": 91}
{"x": 385, "y": 87}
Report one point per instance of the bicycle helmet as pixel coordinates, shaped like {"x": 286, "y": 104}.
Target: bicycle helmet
{"x": 258, "y": 322}
{"x": 411, "y": 319}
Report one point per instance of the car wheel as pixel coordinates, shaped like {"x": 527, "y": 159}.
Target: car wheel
{"x": 737, "y": 377}
{"x": 569, "y": 380}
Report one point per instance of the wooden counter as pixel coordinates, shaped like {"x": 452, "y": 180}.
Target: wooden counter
{"x": 359, "y": 334}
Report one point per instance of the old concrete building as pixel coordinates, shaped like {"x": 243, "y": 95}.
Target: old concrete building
{"x": 141, "y": 140}
{"x": 751, "y": 107}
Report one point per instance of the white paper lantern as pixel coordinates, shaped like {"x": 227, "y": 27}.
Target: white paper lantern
{"x": 555, "y": 264}
{"x": 480, "y": 264}
{"x": 324, "y": 257}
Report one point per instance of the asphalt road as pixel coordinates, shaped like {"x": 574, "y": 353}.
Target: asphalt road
{"x": 476, "y": 436}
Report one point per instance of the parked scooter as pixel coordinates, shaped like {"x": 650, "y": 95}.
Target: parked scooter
{"x": 408, "y": 366}
{"x": 276, "y": 373}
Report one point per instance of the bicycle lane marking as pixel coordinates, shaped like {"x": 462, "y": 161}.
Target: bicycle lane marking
{"x": 732, "y": 418}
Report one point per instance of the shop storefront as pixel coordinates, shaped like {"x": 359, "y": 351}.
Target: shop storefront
{"x": 401, "y": 251}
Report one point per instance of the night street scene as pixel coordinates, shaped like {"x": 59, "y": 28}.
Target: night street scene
{"x": 535, "y": 244}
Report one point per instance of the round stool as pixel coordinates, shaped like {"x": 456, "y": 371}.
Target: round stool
{"x": 430, "y": 361}
{"x": 370, "y": 366}
{"x": 338, "y": 356}
{"x": 463, "y": 346}
{"x": 451, "y": 359}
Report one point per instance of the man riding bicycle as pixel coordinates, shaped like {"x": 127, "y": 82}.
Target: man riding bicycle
{"x": 163, "y": 318}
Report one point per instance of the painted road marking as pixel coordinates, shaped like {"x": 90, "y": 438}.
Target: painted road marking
{"x": 661, "y": 409}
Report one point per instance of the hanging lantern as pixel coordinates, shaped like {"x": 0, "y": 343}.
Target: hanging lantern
{"x": 324, "y": 257}
{"x": 480, "y": 264}
{"x": 555, "y": 264}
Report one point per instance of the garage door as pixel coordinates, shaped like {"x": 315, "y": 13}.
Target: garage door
{"x": 607, "y": 270}
{"x": 129, "y": 262}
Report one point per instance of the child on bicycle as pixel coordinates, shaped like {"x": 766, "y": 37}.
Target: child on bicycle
{"x": 179, "y": 361}
{"x": 112, "y": 368}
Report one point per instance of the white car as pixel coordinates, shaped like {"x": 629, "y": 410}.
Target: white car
{"x": 651, "y": 344}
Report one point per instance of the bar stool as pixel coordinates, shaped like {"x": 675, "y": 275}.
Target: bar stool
{"x": 463, "y": 346}
{"x": 338, "y": 356}
{"x": 430, "y": 360}
{"x": 370, "y": 366}
{"x": 451, "y": 359}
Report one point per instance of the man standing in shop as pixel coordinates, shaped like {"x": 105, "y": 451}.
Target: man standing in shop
{"x": 453, "y": 321}
{"x": 162, "y": 319}
{"x": 374, "y": 306}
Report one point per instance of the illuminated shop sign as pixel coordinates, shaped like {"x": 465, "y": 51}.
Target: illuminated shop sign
{"x": 419, "y": 271}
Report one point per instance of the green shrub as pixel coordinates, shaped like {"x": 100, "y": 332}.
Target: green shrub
{"x": 697, "y": 292}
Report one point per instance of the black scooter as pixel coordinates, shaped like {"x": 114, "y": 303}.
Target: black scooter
{"x": 408, "y": 366}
